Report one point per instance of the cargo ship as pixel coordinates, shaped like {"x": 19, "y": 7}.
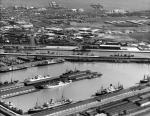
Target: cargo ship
{"x": 49, "y": 62}
{"x": 146, "y": 79}
{"x": 49, "y": 105}
{"x": 122, "y": 56}
{"x": 55, "y": 85}
{"x": 102, "y": 46}
{"x": 79, "y": 75}
{"x": 12, "y": 68}
{"x": 110, "y": 89}
{"x": 36, "y": 79}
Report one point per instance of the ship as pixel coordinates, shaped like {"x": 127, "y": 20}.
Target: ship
{"x": 55, "y": 85}
{"x": 146, "y": 79}
{"x": 37, "y": 79}
{"x": 122, "y": 56}
{"x": 79, "y": 75}
{"x": 49, "y": 62}
{"x": 110, "y": 89}
{"x": 102, "y": 46}
{"x": 49, "y": 105}
{"x": 65, "y": 77}
{"x": 12, "y": 68}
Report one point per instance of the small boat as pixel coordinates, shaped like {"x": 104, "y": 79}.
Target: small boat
{"x": 55, "y": 85}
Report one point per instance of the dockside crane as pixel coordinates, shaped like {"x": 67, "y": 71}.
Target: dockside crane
{"x": 97, "y": 6}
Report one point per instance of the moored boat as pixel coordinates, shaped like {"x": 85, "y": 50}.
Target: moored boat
{"x": 52, "y": 61}
{"x": 49, "y": 105}
{"x": 36, "y": 79}
{"x": 55, "y": 85}
{"x": 110, "y": 89}
{"x": 12, "y": 68}
{"x": 79, "y": 75}
{"x": 146, "y": 79}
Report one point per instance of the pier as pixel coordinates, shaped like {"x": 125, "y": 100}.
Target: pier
{"x": 87, "y": 58}
{"x": 7, "y": 112}
{"x": 15, "y": 91}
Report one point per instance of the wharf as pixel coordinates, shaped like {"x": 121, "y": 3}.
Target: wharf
{"x": 7, "y": 111}
{"x": 87, "y": 58}
{"x": 26, "y": 65}
{"x": 108, "y": 59}
{"x": 93, "y": 102}
{"x": 16, "y": 90}
{"x": 11, "y": 86}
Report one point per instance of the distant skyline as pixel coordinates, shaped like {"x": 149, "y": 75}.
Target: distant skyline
{"x": 108, "y": 4}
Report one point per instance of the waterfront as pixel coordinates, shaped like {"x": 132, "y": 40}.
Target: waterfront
{"x": 112, "y": 73}
{"x": 113, "y": 38}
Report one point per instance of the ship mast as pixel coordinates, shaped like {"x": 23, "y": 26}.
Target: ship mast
{"x": 0, "y": 11}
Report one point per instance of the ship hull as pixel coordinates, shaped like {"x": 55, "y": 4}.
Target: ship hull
{"x": 55, "y": 86}
{"x": 39, "y": 110}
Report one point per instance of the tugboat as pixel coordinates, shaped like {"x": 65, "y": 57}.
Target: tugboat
{"x": 49, "y": 105}
{"x": 55, "y": 85}
{"x": 110, "y": 89}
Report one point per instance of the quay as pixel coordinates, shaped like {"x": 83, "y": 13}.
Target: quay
{"x": 28, "y": 65}
{"x": 87, "y": 58}
{"x": 7, "y": 111}
{"x": 16, "y": 90}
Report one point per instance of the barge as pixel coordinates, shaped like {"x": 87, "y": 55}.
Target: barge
{"x": 79, "y": 75}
